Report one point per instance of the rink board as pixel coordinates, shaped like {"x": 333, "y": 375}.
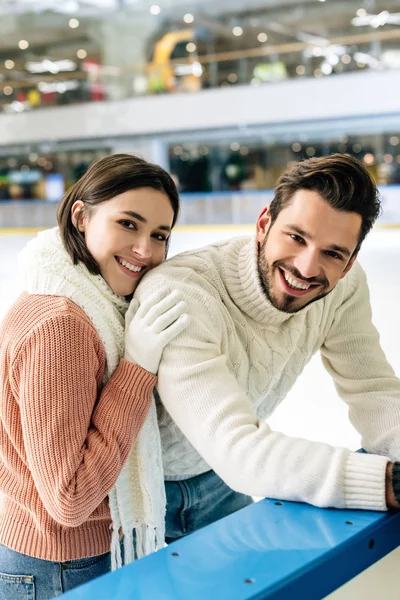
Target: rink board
{"x": 272, "y": 549}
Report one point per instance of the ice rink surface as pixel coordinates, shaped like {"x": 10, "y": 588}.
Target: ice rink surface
{"x": 312, "y": 409}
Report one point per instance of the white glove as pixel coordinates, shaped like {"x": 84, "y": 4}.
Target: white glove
{"x": 151, "y": 327}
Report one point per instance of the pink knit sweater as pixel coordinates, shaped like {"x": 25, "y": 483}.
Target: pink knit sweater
{"x": 63, "y": 439}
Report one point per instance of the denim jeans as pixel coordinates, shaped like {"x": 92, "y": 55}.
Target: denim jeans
{"x": 198, "y": 501}
{"x": 25, "y": 578}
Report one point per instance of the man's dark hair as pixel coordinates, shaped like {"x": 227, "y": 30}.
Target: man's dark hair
{"x": 339, "y": 179}
{"x": 105, "y": 179}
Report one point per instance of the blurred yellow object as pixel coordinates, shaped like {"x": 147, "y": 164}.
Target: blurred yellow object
{"x": 34, "y": 97}
{"x": 161, "y": 73}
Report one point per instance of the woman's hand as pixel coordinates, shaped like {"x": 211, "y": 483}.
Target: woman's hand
{"x": 151, "y": 327}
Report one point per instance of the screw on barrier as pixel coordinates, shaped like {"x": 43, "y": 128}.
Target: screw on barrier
{"x": 371, "y": 544}
{"x": 174, "y": 553}
{"x": 349, "y": 522}
{"x": 249, "y": 580}
{"x": 278, "y": 503}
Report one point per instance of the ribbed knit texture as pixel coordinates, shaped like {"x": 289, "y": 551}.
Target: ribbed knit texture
{"x": 54, "y": 476}
{"x": 223, "y": 376}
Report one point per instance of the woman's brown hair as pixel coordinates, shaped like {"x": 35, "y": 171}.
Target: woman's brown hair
{"x": 105, "y": 179}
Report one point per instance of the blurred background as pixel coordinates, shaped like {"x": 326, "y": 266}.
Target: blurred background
{"x": 224, "y": 95}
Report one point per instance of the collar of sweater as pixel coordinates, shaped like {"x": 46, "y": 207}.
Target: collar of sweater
{"x": 243, "y": 282}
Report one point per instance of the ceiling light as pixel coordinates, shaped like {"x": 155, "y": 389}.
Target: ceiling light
{"x": 73, "y": 23}
{"x": 394, "y": 140}
{"x": 155, "y": 9}
{"x": 23, "y": 44}
{"x": 81, "y": 53}
{"x": 188, "y": 18}
{"x": 232, "y": 78}
{"x": 388, "y": 158}
{"x": 235, "y": 146}
{"x": 346, "y": 59}
{"x": 369, "y": 158}
{"x": 300, "y": 69}
{"x": 326, "y": 68}
{"x": 237, "y": 31}
{"x": 310, "y": 151}
{"x": 7, "y": 90}
{"x": 296, "y": 147}
{"x": 197, "y": 69}
{"x": 361, "y": 12}
{"x": 190, "y": 47}
{"x": 9, "y": 64}
{"x": 318, "y": 73}
{"x": 262, "y": 37}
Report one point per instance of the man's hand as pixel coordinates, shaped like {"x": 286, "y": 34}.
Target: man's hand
{"x": 390, "y": 497}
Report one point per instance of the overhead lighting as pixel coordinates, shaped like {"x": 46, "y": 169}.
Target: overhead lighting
{"x": 81, "y": 53}
{"x": 300, "y": 69}
{"x": 9, "y": 64}
{"x": 73, "y": 23}
{"x": 188, "y": 18}
{"x": 232, "y": 78}
{"x": 326, "y": 68}
{"x": 50, "y": 66}
{"x": 369, "y": 158}
{"x": 296, "y": 147}
{"x": 191, "y": 47}
{"x": 361, "y": 12}
{"x": 310, "y": 151}
{"x": 197, "y": 69}
{"x": 244, "y": 150}
{"x": 23, "y": 44}
{"x": 262, "y": 37}
{"x": 155, "y": 9}
{"x": 237, "y": 31}
{"x": 318, "y": 73}
{"x": 7, "y": 90}
{"x": 346, "y": 59}
{"x": 235, "y": 146}
{"x": 394, "y": 140}
{"x": 388, "y": 158}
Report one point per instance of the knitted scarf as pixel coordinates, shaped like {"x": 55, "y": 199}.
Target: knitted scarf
{"x": 137, "y": 501}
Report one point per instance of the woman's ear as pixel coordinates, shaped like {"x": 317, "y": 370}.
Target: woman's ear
{"x": 78, "y": 216}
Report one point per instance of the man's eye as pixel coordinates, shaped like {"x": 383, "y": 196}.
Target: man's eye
{"x": 296, "y": 238}
{"x": 333, "y": 254}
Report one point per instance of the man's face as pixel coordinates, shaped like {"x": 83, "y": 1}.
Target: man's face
{"x": 306, "y": 251}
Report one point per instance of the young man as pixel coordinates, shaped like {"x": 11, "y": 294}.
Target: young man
{"x": 260, "y": 308}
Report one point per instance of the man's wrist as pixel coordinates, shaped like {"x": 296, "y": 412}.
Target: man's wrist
{"x": 393, "y": 485}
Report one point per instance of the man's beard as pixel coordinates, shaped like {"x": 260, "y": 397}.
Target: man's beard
{"x": 287, "y": 303}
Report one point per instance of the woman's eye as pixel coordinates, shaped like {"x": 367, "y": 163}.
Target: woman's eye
{"x": 127, "y": 224}
{"x": 160, "y": 237}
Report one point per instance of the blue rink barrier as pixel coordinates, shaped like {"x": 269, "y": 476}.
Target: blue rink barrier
{"x": 272, "y": 549}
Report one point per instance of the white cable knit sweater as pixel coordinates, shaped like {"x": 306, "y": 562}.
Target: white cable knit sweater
{"x": 223, "y": 376}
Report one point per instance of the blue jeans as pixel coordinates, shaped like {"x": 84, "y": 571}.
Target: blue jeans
{"x": 23, "y": 577}
{"x": 198, "y": 501}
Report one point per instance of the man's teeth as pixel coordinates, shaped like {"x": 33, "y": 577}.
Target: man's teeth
{"x": 129, "y": 266}
{"x": 295, "y": 284}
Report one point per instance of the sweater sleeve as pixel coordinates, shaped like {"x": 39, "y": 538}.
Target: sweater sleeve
{"x": 354, "y": 358}
{"x": 212, "y": 410}
{"x": 76, "y": 439}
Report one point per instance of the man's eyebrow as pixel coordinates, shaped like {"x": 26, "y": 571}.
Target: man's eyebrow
{"x": 307, "y": 236}
{"x": 135, "y": 215}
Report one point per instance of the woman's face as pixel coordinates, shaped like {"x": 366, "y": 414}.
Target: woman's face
{"x": 127, "y": 235}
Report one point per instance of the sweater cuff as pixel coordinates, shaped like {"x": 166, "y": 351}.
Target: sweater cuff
{"x": 365, "y": 481}
{"x": 131, "y": 377}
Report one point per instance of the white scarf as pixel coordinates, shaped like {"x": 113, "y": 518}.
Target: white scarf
{"x": 137, "y": 501}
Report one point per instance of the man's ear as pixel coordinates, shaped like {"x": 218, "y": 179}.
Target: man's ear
{"x": 77, "y": 215}
{"x": 263, "y": 224}
{"x": 349, "y": 265}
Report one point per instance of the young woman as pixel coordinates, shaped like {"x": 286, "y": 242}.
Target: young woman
{"x": 72, "y": 399}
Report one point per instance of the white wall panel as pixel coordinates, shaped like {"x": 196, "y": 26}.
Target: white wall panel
{"x": 364, "y": 94}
